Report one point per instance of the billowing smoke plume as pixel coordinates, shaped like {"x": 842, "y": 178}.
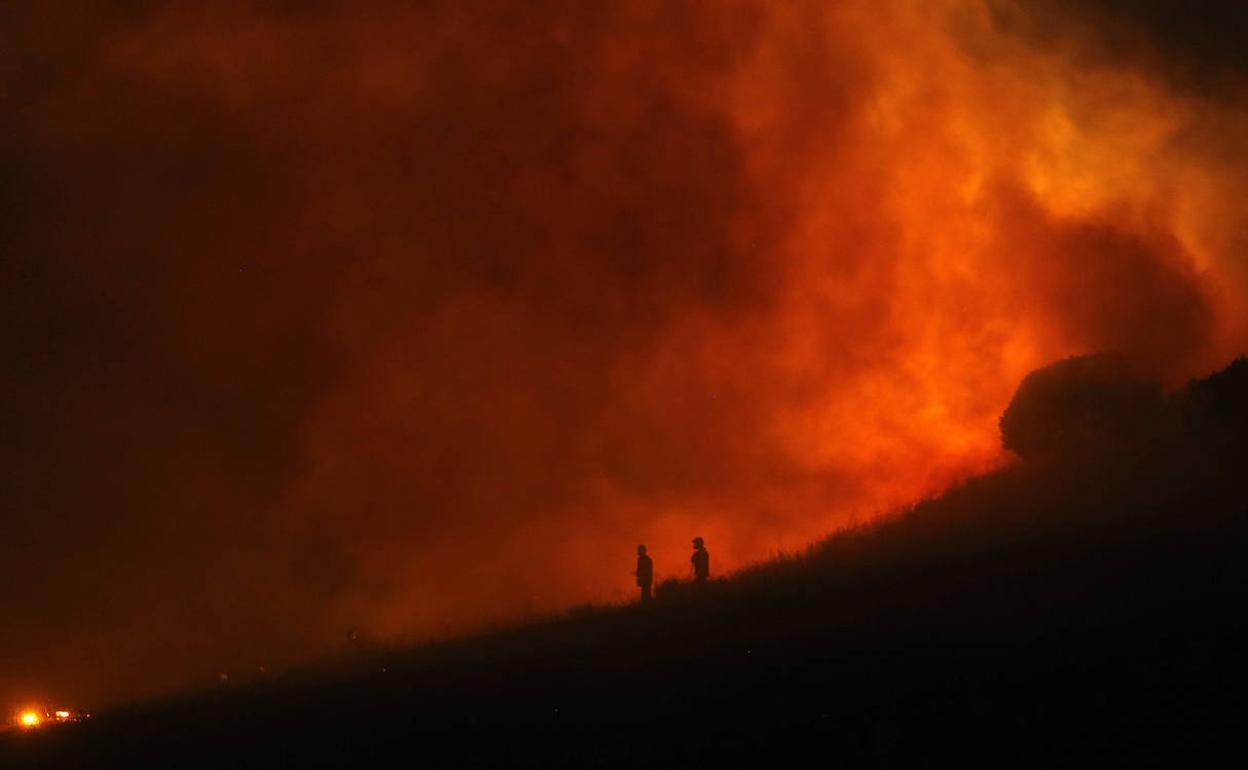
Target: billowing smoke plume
{"x": 412, "y": 316}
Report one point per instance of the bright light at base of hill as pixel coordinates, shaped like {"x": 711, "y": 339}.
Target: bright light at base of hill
{"x": 29, "y": 719}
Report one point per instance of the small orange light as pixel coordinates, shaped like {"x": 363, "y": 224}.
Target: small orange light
{"x": 62, "y": 715}
{"x": 29, "y": 719}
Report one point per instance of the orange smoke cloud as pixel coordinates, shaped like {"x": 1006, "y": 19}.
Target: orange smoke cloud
{"x": 414, "y": 318}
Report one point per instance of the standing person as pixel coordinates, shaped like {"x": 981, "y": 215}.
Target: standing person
{"x": 644, "y": 573}
{"x": 701, "y": 562}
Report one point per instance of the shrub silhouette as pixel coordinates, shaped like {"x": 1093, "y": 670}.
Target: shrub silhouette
{"x": 1085, "y": 405}
{"x": 1214, "y": 411}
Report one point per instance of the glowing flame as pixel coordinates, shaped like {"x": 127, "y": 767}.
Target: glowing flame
{"x": 62, "y": 715}
{"x": 29, "y": 719}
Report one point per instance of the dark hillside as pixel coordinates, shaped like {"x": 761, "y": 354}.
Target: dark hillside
{"x": 1077, "y": 607}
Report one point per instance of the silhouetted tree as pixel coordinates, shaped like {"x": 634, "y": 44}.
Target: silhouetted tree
{"x": 1214, "y": 411}
{"x": 1079, "y": 406}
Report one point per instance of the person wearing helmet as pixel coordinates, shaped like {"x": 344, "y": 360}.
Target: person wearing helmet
{"x": 701, "y": 562}
{"x": 644, "y": 573}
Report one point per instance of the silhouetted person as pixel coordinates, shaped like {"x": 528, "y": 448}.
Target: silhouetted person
{"x": 701, "y": 562}
{"x": 645, "y": 573}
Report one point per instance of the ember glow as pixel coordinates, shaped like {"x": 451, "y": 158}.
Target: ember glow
{"x": 414, "y": 317}
{"x": 29, "y": 719}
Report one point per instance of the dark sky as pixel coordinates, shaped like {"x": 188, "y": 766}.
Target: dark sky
{"x": 412, "y": 317}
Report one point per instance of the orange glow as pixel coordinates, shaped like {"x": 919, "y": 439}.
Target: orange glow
{"x": 959, "y": 207}
{"x": 63, "y": 715}
{"x": 505, "y": 297}
{"x": 29, "y": 719}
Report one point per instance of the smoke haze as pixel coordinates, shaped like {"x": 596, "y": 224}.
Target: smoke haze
{"x": 411, "y": 317}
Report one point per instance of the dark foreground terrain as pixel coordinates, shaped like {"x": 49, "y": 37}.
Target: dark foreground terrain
{"x": 1077, "y": 608}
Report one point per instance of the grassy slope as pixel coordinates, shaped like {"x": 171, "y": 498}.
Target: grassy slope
{"x": 1087, "y": 610}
